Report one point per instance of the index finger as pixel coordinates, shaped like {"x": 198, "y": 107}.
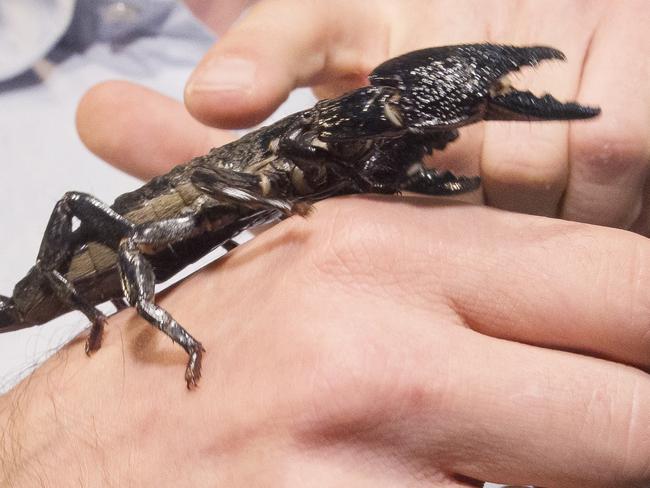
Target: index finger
{"x": 278, "y": 46}
{"x": 140, "y": 131}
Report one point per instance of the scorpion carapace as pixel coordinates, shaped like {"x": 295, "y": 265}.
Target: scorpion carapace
{"x": 370, "y": 140}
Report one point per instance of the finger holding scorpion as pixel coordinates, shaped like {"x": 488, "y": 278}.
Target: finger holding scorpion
{"x": 593, "y": 173}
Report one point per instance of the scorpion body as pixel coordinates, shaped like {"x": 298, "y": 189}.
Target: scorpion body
{"x": 370, "y": 140}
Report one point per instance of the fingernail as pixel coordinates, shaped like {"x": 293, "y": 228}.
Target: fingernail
{"x": 224, "y": 74}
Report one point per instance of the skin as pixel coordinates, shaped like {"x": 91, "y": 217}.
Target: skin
{"x": 381, "y": 341}
{"x": 352, "y": 349}
{"x": 591, "y": 172}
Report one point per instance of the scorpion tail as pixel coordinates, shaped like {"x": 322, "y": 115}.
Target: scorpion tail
{"x": 9, "y": 319}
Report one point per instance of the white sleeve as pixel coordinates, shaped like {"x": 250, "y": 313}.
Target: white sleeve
{"x": 28, "y": 30}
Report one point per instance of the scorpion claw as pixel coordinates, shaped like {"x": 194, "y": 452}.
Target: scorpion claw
{"x": 452, "y": 86}
{"x": 523, "y": 105}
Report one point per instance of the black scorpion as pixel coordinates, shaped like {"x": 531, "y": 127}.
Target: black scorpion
{"x": 370, "y": 140}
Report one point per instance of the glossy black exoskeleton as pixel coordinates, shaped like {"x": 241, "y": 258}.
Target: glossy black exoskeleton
{"x": 370, "y": 140}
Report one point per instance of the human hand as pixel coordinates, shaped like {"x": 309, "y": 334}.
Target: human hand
{"x": 372, "y": 415}
{"x": 592, "y": 172}
{"x": 376, "y": 343}
{"x": 588, "y": 171}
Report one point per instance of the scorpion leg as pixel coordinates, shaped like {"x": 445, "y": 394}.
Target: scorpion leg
{"x": 8, "y": 315}
{"x": 119, "y": 304}
{"x": 65, "y": 291}
{"x": 246, "y": 189}
{"x": 309, "y": 155}
{"x": 229, "y": 245}
{"x": 429, "y": 181}
{"x": 57, "y": 248}
{"x": 138, "y": 280}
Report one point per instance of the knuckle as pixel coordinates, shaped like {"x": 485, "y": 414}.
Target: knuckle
{"x": 513, "y": 156}
{"x": 610, "y": 153}
{"x": 369, "y": 382}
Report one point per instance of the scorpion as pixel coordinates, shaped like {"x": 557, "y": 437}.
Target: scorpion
{"x": 369, "y": 140}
